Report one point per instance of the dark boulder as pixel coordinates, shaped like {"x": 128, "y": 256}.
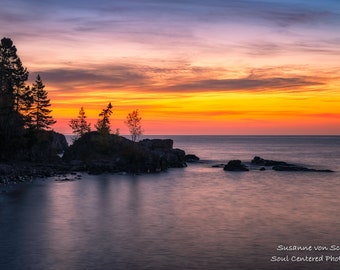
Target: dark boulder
{"x": 175, "y": 158}
{"x": 166, "y": 156}
{"x": 235, "y": 166}
{"x": 191, "y": 158}
{"x": 59, "y": 142}
{"x": 43, "y": 146}
{"x": 266, "y": 162}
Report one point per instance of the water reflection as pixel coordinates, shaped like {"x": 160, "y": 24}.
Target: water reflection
{"x": 195, "y": 218}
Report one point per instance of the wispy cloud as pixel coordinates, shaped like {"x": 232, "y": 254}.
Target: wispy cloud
{"x": 113, "y": 76}
{"x": 166, "y": 55}
{"x": 182, "y": 78}
{"x": 247, "y": 84}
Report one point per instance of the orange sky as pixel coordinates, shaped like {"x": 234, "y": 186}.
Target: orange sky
{"x": 227, "y": 67}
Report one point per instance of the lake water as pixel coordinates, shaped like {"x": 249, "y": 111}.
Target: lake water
{"x": 198, "y": 217}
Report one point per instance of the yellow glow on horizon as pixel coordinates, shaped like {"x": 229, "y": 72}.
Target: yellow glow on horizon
{"x": 209, "y": 112}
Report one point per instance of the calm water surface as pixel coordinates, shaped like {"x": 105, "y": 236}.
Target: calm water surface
{"x": 193, "y": 218}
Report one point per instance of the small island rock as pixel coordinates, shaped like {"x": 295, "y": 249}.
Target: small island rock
{"x": 235, "y": 166}
{"x": 283, "y": 166}
{"x": 98, "y": 153}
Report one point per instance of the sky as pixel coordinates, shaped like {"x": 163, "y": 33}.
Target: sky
{"x": 217, "y": 67}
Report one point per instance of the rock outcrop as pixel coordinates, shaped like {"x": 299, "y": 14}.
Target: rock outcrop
{"x": 261, "y": 164}
{"x": 47, "y": 147}
{"x": 283, "y": 166}
{"x": 40, "y": 146}
{"x": 267, "y": 162}
{"x": 37, "y": 146}
{"x": 98, "y": 153}
{"x": 190, "y": 158}
{"x": 235, "y": 166}
{"x": 38, "y": 156}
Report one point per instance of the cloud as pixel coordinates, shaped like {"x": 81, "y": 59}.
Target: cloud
{"x": 247, "y": 84}
{"x": 287, "y": 16}
{"x": 335, "y": 116}
{"x": 181, "y": 78}
{"x": 171, "y": 27}
{"x": 118, "y": 75}
{"x": 168, "y": 13}
{"x": 114, "y": 75}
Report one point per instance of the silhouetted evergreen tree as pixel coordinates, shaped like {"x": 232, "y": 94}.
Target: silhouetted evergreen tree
{"x": 21, "y": 92}
{"x": 80, "y": 125}
{"x": 26, "y": 105}
{"x": 12, "y": 77}
{"x": 103, "y": 124}
{"x": 12, "y": 91}
{"x": 39, "y": 113}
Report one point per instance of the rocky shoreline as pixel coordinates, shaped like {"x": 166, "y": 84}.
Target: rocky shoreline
{"x": 93, "y": 153}
{"x": 26, "y": 171}
{"x": 96, "y": 153}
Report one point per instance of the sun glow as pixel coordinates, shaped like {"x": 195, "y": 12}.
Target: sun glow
{"x": 210, "y": 68}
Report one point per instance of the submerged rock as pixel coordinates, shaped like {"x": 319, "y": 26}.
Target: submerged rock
{"x": 221, "y": 165}
{"x": 295, "y": 168}
{"x": 235, "y": 166}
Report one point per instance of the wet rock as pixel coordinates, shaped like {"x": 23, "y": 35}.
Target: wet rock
{"x": 235, "y": 166}
{"x": 191, "y": 158}
{"x": 283, "y": 166}
{"x": 266, "y": 162}
{"x": 17, "y": 172}
{"x": 175, "y": 158}
{"x": 218, "y": 165}
{"x": 296, "y": 168}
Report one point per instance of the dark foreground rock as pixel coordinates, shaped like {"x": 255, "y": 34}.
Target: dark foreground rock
{"x": 235, "y": 166}
{"x": 97, "y": 153}
{"x": 36, "y": 155}
{"x": 26, "y": 171}
{"x": 221, "y": 165}
{"x": 36, "y": 146}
